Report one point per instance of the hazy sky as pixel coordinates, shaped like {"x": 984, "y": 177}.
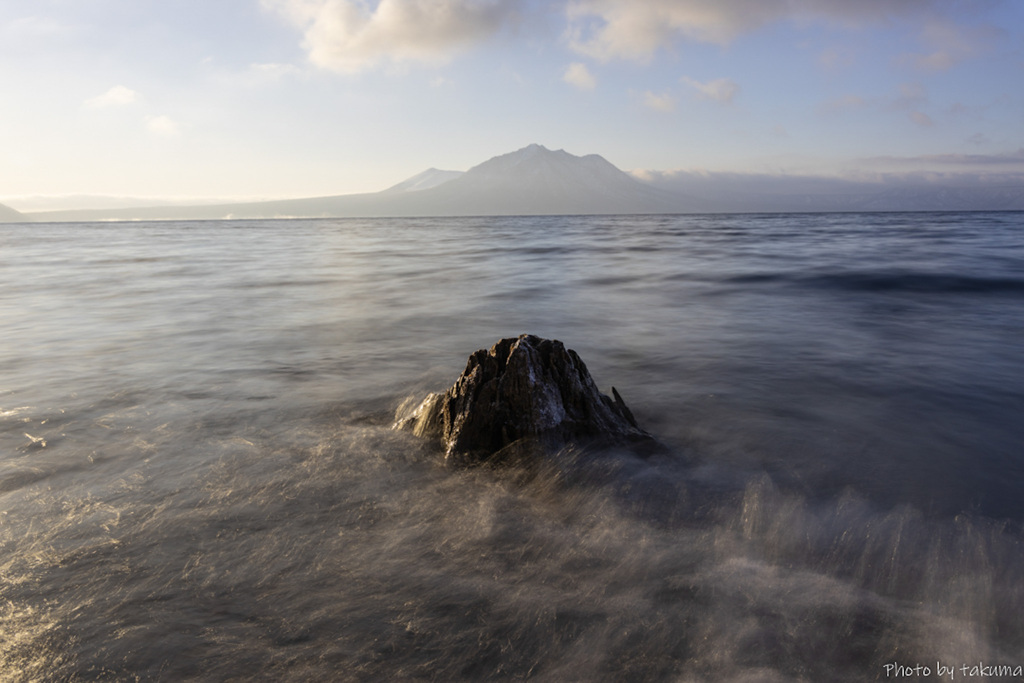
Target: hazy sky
{"x": 285, "y": 98}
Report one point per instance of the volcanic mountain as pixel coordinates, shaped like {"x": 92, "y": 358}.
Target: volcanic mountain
{"x": 530, "y": 181}
{"x": 536, "y": 180}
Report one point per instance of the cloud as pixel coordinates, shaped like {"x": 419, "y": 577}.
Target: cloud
{"x": 921, "y": 119}
{"x": 350, "y": 36}
{"x": 578, "y": 75}
{"x": 257, "y": 74}
{"x": 720, "y": 90}
{"x": 976, "y": 161}
{"x": 162, "y": 125}
{"x": 911, "y": 95}
{"x": 911, "y": 99}
{"x": 841, "y": 104}
{"x": 118, "y": 96}
{"x": 948, "y": 45}
{"x": 663, "y": 102}
{"x": 636, "y": 29}
{"x": 835, "y": 58}
{"x": 272, "y": 72}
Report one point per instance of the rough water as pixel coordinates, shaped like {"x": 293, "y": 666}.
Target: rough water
{"x": 198, "y": 480}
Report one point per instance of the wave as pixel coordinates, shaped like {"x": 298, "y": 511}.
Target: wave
{"x": 888, "y": 282}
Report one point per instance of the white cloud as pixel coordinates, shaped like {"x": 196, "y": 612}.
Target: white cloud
{"x": 578, "y": 75}
{"x": 720, "y": 90}
{"x": 118, "y": 96}
{"x": 162, "y": 125}
{"x": 352, "y": 35}
{"x": 663, "y": 102}
{"x": 636, "y": 29}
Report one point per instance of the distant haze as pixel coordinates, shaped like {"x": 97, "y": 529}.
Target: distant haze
{"x": 537, "y": 181}
{"x": 7, "y": 215}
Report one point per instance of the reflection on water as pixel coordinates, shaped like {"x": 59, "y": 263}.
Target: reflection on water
{"x": 197, "y": 478}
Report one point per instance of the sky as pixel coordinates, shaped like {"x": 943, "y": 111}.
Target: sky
{"x": 256, "y": 99}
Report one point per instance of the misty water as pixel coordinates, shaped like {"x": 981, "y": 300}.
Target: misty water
{"x": 198, "y": 479}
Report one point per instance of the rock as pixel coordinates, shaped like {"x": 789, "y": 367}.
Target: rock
{"x": 528, "y": 391}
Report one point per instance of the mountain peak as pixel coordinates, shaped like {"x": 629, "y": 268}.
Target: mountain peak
{"x": 536, "y": 157}
{"x": 537, "y": 180}
{"x": 536, "y": 150}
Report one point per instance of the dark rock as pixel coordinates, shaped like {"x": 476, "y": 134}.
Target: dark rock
{"x": 528, "y": 392}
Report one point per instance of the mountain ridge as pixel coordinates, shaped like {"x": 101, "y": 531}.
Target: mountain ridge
{"x": 530, "y": 181}
{"x": 534, "y": 180}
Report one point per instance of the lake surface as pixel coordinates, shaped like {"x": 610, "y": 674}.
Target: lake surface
{"x": 198, "y": 479}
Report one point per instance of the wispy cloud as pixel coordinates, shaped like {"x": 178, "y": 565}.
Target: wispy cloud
{"x": 948, "y": 44}
{"x": 272, "y": 72}
{"x": 162, "y": 125}
{"x": 842, "y": 104}
{"x": 1002, "y": 161}
{"x": 913, "y": 98}
{"x": 663, "y": 102}
{"x": 835, "y": 58}
{"x": 636, "y": 29}
{"x": 118, "y": 96}
{"x": 721, "y": 90}
{"x": 910, "y": 99}
{"x": 350, "y": 36}
{"x": 578, "y": 75}
{"x": 911, "y": 95}
{"x": 921, "y": 119}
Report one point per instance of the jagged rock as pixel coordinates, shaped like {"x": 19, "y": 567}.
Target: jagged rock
{"x": 523, "y": 391}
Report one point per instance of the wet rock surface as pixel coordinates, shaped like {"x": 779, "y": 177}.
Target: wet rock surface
{"x": 524, "y": 394}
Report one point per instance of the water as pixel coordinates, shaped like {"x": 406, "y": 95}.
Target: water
{"x": 198, "y": 480}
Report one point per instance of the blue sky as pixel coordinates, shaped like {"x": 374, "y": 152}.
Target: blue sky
{"x": 289, "y": 98}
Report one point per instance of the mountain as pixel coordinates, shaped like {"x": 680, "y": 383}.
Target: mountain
{"x": 426, "y": 180}
{"x": 531, "y": 181}
{"x": 9, "y": 215}
{"x": 535, "y": 180}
